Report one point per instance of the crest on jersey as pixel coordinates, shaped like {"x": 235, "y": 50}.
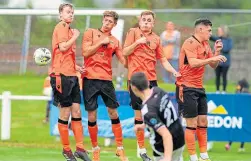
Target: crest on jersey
{"x": 153, "y": 121}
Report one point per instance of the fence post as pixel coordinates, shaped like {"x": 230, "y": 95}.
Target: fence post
{"x": 6, "y": 116}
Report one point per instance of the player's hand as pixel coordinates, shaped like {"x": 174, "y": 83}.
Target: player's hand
{"x": 218, "y": 45}
{"x": 176, "y": 74}
{"x": 76, "y": 33}
{"x": 105, "y": 41}
{"x": 141, "y": 40}
{"x": 219, "y": 58}
{"x": 80, "y": 69}
{"x": 139, "y": 127}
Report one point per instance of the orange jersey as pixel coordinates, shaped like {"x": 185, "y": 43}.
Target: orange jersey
{"x": 144, "y": 56}
{"x": 192, "y": 48}
{"x": 63, "y": 62}
{"x": 99, "y": 65}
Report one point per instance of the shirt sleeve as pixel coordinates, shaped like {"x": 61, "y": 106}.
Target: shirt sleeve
{"x": 152, "y": 119}
{"x": 190, "y": 49}
{"x": 210, "y": 52}
{"x": 130, "y": 38}
{"x": 87, "y": 39}
{"x": 159, "y": 51}
{"x": 63, "y": 32}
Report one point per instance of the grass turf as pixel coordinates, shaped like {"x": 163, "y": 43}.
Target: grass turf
{"x": 30, "y": 139}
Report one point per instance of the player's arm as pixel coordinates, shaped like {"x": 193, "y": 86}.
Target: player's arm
{"x": 121, "y": 58}
{"x": 80, "y": 69}
{"x": 217, "y": 47}
{"x": 65, "y": 43}
{"x": 131, "y": 44}
{"x": 164, "y": 62}
{"x": 167, "y": 141}
{"x": 88, "y": 48}
{"x": 191, "y": 55}
{"x": 152, "y": 120}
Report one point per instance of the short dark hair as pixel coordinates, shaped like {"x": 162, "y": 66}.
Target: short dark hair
{"x": 140, "y": 81}
{"x": 203, "y": 21}
{"x": 148, "y": 12}
{"x": 111, "y": 14}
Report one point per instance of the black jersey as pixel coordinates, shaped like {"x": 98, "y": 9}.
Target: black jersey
{"x": 159, "y": 111}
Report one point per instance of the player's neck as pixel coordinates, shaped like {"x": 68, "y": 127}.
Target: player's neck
{"x": 198, "y": 38}
{"x": 64, "y": 21}
{"x": 105, "y": 32}
{"x": 147, "y": 32}
{"x": 146, "y": 94}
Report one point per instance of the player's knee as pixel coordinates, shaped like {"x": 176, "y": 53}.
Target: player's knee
{"x": 76, "y": 113}
{"x": 137, "y": 114}
{"x": 92, "y": 116}
{"x": 113, "y": 114}
{"x": 191, "y": 122}
{"x": 202, "y": 121}
{"x": 65, "y": 113}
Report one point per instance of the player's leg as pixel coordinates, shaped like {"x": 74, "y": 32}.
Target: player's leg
{"x": 157, "y": 157}
{"x": 63, "y": 100}
{"x": 47, "y": 113}
{"x": 241, "y": 149}
{"x": 76, "y": 121}
{"x": 140, "y": 134}
{"x": 178, "y": 154}
{"x": 202, "y": 126}
{"x": 189, "y": 111}
{"x": 90, "y": 93}
{"x": 109, "y": 97}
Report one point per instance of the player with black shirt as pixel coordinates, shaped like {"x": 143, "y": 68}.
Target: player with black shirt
{"x": 161, "y": 118}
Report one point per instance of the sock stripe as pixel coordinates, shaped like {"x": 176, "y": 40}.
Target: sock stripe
{"x": 190, "y": 128}
{"x": 202, "y": 127}
{"x": 62, "y": 122}
{"x": 92, "y": 123}
{"x": 115, "y": 121}
{"x": 76, "y": 119}
{"x": 138, "y": 122}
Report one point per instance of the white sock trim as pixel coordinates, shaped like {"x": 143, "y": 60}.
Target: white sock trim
{"x": 204, "y": 155}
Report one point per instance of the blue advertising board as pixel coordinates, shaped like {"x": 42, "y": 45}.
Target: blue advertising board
{"x": 229, "y": 117}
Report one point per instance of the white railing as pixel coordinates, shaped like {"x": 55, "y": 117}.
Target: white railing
{"x": 6, "y": 98}
{"x": 54, "y": 12}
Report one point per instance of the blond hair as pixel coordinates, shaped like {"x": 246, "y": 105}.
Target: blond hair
{"x": 225, "y": 30}
{"x": 62, "y": 6}
{"x": 111, "y": 14}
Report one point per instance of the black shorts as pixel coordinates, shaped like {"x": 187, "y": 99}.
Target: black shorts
{"x": 92, "y": 88}
{"x": 194, "y": 102}
{"x": 70, "y": 91}
{"x": 136, "y": 101}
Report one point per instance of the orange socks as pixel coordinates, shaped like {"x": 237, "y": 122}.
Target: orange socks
{"x": 190, "y": 140}
{"x": 117, "y": 131}
{"x": 64, "y": 134}
{"x": 140, "y": 134}
{"x": 202, "y": 138}
{"x": 77, "y": 129}
{"x": 93, "y": 131}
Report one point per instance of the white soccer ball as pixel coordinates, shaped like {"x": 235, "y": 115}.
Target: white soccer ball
{"x": 42, "y": 56}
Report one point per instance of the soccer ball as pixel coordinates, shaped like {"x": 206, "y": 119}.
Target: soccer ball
{"x": 42, "y": 56}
